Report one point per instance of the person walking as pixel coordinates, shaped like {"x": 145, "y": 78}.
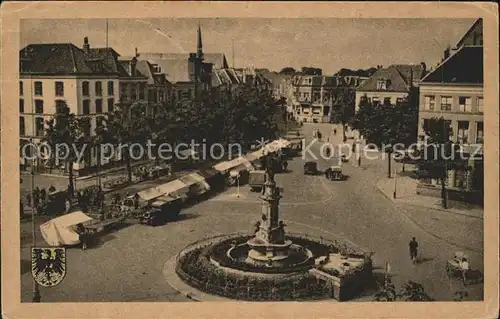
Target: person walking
{"x": 285, "y": 166}
{"x": 464, "y": 268}
{"x": 413, "y": 245}
{"x": 83, "y": 236}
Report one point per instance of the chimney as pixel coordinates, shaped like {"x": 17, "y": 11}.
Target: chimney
{"x": 136, "y": 54}
{"x": 411, "y": 77}
{"x": 86, "y": 45}
{"x": 447, "y": 53}
{"x": 133, "y": 64}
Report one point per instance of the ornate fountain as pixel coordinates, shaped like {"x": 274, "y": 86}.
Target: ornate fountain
{"x": 269, "y": 246}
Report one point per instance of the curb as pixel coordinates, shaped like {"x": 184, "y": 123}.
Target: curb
{"x": 422, "y": 206}
{"x": 174, "y": 281}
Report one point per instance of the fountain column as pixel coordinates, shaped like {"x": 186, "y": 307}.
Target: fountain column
{"x": 269, "y": 246}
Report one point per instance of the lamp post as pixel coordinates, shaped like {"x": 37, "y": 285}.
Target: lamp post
{"x": 36, "y": 290}
{"x": 395, "y": 181}
{"x": 238, "y": 185}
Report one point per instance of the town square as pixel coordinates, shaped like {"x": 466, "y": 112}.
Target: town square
{"x": 309, "y": 180}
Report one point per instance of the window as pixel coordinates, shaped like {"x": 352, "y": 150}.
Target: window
{"x": 22, "y": 127}
{"x": 85, "y": 89}
{"x": 399, "y": 100}
{"x": 111, "y": 88}
{"x": 98, "y": 88}
{"x": 479, "y": 133}
{"x": 430, "y": 103}
{"x": 86, "y": 107}
{"x": 111, "y": 105}
{"x": 463, "y": 132}
{"x": 39, "y": 126}
{"x": 157, "y": 68}
{"x": 59, "y": 88}
{"x": 141, "y": 91}
{"x": 480, "y": 104}
{"x": 21, "y": 88}
{"x": 387, "y": 101}
{"x": 39, "y": 106}
{"x": 381, "y": 85}
{"x": 21, "y": 106}
{"x": 38, "y": 88}
{"x": 60, "y": 106}
{"x": 98, "y": 106}
{"x": 446, "y": 102}
{"x": 465, "y": 104}
{"x": 375, "y": 100}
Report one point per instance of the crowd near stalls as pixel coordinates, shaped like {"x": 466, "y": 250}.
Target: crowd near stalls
{"x": 162, "y": 203}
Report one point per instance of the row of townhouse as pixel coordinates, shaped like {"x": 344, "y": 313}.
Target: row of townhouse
{"x": 453, "y": 90}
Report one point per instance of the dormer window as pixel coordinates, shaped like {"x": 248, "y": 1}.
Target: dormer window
{"x": 157, "y": 68}
{"x": 382, "y": 84}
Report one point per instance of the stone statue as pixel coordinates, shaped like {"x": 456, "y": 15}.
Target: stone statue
{"x": 270, "y": 169}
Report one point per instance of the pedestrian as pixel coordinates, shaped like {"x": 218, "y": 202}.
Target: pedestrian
{"x": 43, "y": 194}
{"x": 28, "y": 199}
{"x": 82, "y": 232}
{"x": 464, "y": 268}
{"x": 413, "y": 249}
{"x": 335, "y": 131}
{"x": 285, "y": 166}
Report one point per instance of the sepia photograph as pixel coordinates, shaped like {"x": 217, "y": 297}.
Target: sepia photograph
{"x": 251, "y": 159}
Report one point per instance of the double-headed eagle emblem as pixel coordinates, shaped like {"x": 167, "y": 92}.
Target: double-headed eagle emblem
{"x": 48, "y": 265}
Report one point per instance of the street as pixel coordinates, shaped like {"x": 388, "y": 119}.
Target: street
{"x": 127, "y": 264}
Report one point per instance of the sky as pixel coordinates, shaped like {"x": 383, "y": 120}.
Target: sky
{"x": 326, "y": 43}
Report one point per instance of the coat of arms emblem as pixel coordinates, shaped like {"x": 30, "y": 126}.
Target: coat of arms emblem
{"x": 48, "y": 265}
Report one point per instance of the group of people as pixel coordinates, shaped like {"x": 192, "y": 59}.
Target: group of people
{"x": 462, "y": 261}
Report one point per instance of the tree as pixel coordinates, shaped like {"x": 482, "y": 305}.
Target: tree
{"x": 410, "y": 291}
{"x": 288, "y": 70}
{"x": 438, "y": 150}
{"x": 343, "y": 103}
{"x": 64, "y": 128}
{"x": 128, "y": 125}
{"x": 386, "y": 125}
{"x": 311, "y": 71}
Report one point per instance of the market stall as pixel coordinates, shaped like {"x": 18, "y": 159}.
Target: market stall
{"x": 61, "y": 231}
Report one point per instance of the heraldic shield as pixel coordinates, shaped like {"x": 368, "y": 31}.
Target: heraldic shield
{"x": 48, "y": 265}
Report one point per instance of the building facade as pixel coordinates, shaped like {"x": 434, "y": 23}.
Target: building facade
{"x": 391, "y": 85}
{"x": 313, "y": 98}
{"x": 454, "y": 92}
{"x": 90, "y": 81}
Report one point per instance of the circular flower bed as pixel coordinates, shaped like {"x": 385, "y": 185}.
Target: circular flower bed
{"x": 292, "y": 282}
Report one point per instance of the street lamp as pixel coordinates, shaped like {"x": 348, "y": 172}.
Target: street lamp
{"x": 238, "y": 185}
{"x": 36, "y": 290}
{"x": 395, "y": 181}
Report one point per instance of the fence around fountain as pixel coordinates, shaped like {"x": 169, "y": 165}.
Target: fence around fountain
{"x": 275, "y": 292}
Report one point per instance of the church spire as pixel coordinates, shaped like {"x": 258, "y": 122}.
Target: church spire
{"x": 199, "y": 50}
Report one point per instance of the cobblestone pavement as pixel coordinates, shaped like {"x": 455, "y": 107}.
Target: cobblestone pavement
{"x": 127, "y": 264}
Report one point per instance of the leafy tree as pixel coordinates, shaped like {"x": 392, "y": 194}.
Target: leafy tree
{"x": 386, "y": 125}
{"x": 288, "y": 70}
{"x": 311, "y": 71}
{"x": 64, "y": 128}
{"x": 438, "y": 151}
{"x": 128, "y": 125}
{"x": 410, "y": 291}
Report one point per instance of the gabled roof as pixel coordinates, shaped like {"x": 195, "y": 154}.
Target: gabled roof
{"x": 398, "y": 77}
{"x": 464, "y": 67}
{"x": 59, "y": 58}
{"x": 144, "y": 67}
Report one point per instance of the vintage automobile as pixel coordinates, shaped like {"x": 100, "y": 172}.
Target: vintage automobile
{"x": 256, "y": 180}
{"x": 334, "y": 173}
{"x": 162, "y": 210}
{"x": 310, "y": 168}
